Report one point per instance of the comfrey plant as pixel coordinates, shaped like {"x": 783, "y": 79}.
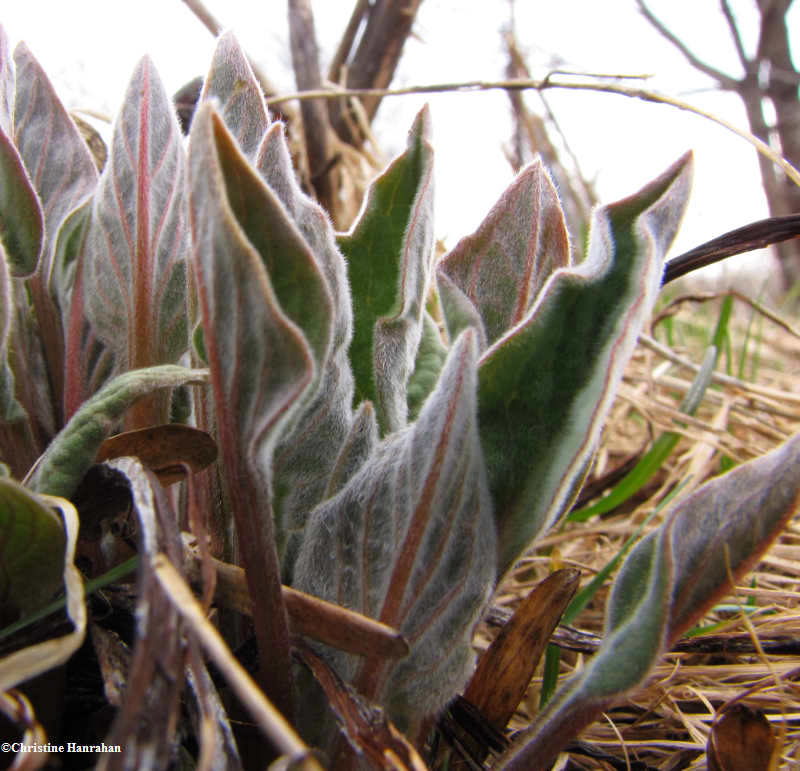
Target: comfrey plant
{"x": 392, "y": 433}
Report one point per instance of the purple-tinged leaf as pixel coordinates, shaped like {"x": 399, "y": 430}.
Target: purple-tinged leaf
{"x": 356, "y": 448}
{"x": 409, "y": 540}
{"x": 389, "y": 253}
{"x": 239, "y": 99}
{"x": 90, "y": 362}
{"x": 10, "y": 409}
{"x": 6, "y": 85}
{"x": 501, "y": 268}
{"x": 58, "y": 161}
{"x": 137, "y": 238}
{"x": 547, "y": 384}
{"x": 306, "y": 455}
{"x": 156, "y": 676}
{"x": 670, "y": 579}
{"x": 266, "y": 321}
{"x": 21, "y": 224}
{"x": 64, "y": 175}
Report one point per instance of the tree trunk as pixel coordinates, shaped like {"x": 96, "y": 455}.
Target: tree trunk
{"x": 779, "y": 83}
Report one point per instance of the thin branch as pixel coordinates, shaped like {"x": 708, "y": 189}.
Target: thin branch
{"x": 348, "y": 38}
{"x": 541, "y": 85}
{"x": 737, "y": 38}
{"x": 209, "y": 21}
{"x": 725, "y": 81}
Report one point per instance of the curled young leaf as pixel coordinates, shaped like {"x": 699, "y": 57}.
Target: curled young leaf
{"x": 409, "y": 540}
{"x": 73, "y": 450}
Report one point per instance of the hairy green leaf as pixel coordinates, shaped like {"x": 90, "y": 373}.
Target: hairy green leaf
{"x": 409, "y": 540}
{"x": 501, "y": 268}
{"x": 137, "y": 238}
{"x": 431, "y": 356}
{"x": 389, "y": 260}
{"x": 266, "y": 321}
{"x": 231, "y": 84}
{"x": 305, "y": 456}
{"x": 546, "y": 385}
{"x": 21, "y": 223}
{"x": 670, "y": 579}
{"x": 74, "y": 449}
{"x": 10, "y": 409}
{"x": 32, "y": 543}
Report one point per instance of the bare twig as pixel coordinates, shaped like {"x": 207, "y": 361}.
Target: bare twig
{"x": 266, "y": 715}
{"x": 348, "y": 38}
{"x": 319, "y": 135}
{"x": 725, "y": 81}
{"x": 209, "y": 21}
{"x": 737, "y": 38}
{"x": 542, "y": 85}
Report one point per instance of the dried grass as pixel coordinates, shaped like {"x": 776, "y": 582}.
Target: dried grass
{"x": 666, "y": 723}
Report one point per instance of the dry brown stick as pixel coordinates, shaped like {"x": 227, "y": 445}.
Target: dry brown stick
{"x": 756, "y": 235}
{"x": 308, "y": 615}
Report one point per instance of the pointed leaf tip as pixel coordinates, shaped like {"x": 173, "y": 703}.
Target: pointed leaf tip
{"x": 547, "y": 384}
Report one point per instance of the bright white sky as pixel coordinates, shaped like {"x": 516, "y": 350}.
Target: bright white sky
{"x": 89, "y": 53}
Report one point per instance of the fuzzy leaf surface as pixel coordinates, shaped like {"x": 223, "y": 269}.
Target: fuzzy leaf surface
{"x": 75, "y": 447}
{"x": 137, "y": 237}
{"x": 306, "y": 455}
{"x": 409, "y": 540}
{"x": 6, "y": 85}
{"x": 21, "y": 223}
{"x": 431, "y": 356}
{"x": 10, "y": 409}
{"x": 239, "y": 99}
{"x": 266, "y": 321}
{"x": 389, "y": 260}
{"x": 546, "y": 385}
{"x": 670, "y": 579}
{"x": 501, "y": 268}
{"x": 58, "y": 161}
